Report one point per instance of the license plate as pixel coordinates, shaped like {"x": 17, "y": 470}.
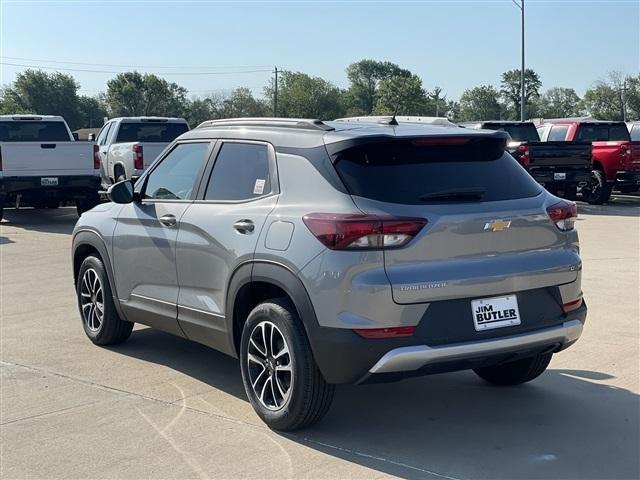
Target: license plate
{"x": 495, "y": 312}
{"x": 560, "y": 176}
{"x": 49, "y": 181}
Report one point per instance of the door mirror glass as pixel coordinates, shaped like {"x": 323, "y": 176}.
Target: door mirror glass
{"x": 121, "y": 192}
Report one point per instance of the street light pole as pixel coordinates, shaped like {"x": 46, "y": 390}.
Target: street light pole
{"x": 522, "y": 69}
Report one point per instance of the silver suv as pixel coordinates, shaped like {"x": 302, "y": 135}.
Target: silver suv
{"x": 339, "y": 252}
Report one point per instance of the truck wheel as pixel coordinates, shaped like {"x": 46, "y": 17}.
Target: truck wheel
{"x": 87, "y": 203}
{"x": 119, "y": 174}
{"x": 283, "y": 382}
{"x": 53, "y": 204}
{"x": 100, "y": 319}
{"x": 598, "y": 190}
{"x": 515, "y": 373}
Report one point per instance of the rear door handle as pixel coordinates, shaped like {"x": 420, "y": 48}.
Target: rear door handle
{"x": 168, "y": 220}
{"x": 244, "y": 226}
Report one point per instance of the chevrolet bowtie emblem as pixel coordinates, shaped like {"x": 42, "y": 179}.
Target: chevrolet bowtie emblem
{"x": 497, "y": 225}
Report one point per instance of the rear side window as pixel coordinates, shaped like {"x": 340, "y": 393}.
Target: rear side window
{"x": 402, "y": 172}
{"x": 150, "y": 132}
{"x": 558, "y": 133}
{"x": 603, "y": 133}
{"x": 635, "y": 132}
{"x": 241, "y": 172}
{"x": 32, "y": 131}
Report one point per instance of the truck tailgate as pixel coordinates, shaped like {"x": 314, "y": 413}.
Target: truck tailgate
{"x": 566, "y": 154}
{"x": 44, "y": 159}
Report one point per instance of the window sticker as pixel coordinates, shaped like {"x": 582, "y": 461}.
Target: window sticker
{"x": 258, "y": 188}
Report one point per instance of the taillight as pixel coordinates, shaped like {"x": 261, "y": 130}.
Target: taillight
{"x": 96, "y": 157}
{"x": 138, "y": 162}
{"x": 524, "y": 155}
{"x": 571, "y": 306}
{"x": 339, "y": 231}
{"x": 563, "y": 214}
{"x": 389, "y": 332}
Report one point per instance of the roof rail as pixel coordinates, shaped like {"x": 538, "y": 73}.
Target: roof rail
{"x": 395, "y": 120}
{"x": 300, "y": 123}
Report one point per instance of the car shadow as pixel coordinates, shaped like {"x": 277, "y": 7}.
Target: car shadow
{"x": 565, "y": 424}
{"x": 618, "y": 206}
{"x": 57, "y": 220}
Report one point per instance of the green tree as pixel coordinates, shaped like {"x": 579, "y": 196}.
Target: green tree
{"x": 134, "y": 94}
{"x": 199, "y": 110}
{"x": 510, "y": 90}
{"x": 35, "y": 91}
{"x": 365, "y": 77}
{"x": 437, "y": 104}
{"x": 632, "y": 97}
{"x": 92, "y": 111}
{"x": 303, "y": 96}
{"x": 402, "y": 95}
{"x": 558, "y": 102}
{"x": 479, "y": 103}
{"x": 241, "y": 103}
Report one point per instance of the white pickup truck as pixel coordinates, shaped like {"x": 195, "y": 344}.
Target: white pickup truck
{"x": 41, "y": 164}
{"x": 128, "y": 145}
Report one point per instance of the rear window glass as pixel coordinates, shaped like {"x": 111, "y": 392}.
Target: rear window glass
{"x": 558, "y": 133}
{"x": 402, "y": 172}
{"x": 519, "y": 133}
{"x": 33, "y": 131}
{"x": 602, "y": 133}
{"x": 150, "y": 132}
{"x": 635, "y": 132}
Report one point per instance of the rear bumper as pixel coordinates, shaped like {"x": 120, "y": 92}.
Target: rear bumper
{"x": 416, "y": 357}
{"x": 560, "y": 176}
{"x": 68, "y": 185}
{"x": 628, "y": 178}
{"x": 345, "y": 357}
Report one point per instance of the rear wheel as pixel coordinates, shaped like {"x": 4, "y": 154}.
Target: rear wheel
{"x": 100, "y": 319}
{"x": 119, "y": 174}
{"x": 515, "y": 373}
{"x": 280, "y": 376}
{"x": 598, "y": 190}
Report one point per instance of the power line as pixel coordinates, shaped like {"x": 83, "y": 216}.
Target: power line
{"x": 129, "y": 66}
{"x": 119, "y": 71}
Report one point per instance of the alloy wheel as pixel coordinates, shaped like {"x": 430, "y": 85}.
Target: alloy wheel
{"x": 92, "y": 300}
{"x": 270, "y": 365}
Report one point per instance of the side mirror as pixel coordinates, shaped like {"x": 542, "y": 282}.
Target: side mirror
{"x": 91, "y": 137}
{"x": 121, "y": 192}
{"x": 75, "y": 136}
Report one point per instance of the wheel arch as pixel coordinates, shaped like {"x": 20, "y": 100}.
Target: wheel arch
{"x": 85, "y": 243}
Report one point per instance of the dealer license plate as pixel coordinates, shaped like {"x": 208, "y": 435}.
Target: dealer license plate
{"x": 560, "y": 176}
{"x": 495, "y": 312}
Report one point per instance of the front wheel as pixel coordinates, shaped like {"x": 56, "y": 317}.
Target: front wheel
{"x": 280, "y": 376}
{"x": 515, "y": 373}
{"x": 100, "y": 319}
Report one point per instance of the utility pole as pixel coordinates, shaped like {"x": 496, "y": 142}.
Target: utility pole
{"x": 624, "y": 100}
{"x": 275, "y": 93}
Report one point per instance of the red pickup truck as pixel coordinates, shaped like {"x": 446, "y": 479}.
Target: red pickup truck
{"x": 615, "y": 157}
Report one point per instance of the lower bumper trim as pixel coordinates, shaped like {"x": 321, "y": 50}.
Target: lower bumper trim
{"x": 405, "y": 359}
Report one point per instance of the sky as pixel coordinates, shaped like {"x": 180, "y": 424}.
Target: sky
{"x": 453, "y": 44}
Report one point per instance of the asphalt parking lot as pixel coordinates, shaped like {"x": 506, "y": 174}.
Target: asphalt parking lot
{"x": 162, "y": 407}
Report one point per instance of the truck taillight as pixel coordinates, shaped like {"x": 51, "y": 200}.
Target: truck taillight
{"x": 96, "y": 157}
{"x": 339, "y": 231}
{"x": 138, "y": 159}
{"x": 524, "y": 155}
{"x": 564, "y": 214}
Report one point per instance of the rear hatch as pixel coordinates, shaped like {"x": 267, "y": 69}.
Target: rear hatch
{"x": 487, "y": 232}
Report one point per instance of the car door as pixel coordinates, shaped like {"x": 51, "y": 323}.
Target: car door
{"x": 220, "y": 232}
{"x": 145, "y": 237}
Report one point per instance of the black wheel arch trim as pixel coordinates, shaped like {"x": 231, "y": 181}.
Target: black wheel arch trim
{"x": 94, "y": 240}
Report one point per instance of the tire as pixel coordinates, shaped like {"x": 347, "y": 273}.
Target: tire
{"x": 515, "y": 373}
{"x": 53, "y": 204}
{"x": 308, "y": 396}
{"x": 87, "y": 203}
{"x": 108, "y": 329}
{"x": 119, "y": 174}
{"x": 598, "y": 190}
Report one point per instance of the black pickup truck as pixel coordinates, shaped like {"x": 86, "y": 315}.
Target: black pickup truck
{"x": 561, "y": 167}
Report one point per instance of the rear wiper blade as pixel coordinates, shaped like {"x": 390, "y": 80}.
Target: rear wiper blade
{"x": 455, "y": 194}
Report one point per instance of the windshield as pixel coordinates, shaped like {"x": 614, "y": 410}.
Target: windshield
{"x": 402, "y": 172}
{"x": 602, "y": 133}
{"x": 519, "y": 132}
{"x": 150, "y": 132}
{"x": 33, "y": 131}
